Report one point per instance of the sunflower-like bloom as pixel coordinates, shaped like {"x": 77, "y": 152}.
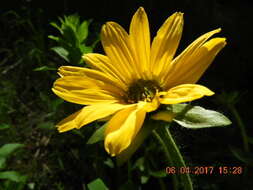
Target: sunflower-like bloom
{"x": 135, "y": 77}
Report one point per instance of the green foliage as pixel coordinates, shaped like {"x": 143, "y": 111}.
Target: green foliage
{"x": 196, "y": 117}
{"x": 8, "y": 177}
{"x": 72, "y": 41}
{"x": 97, "y": 184}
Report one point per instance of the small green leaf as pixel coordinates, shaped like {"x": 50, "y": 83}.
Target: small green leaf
{"x": 82, "y": 31}
{"x": 158, "y": 174}
{"x": 56, "y": 26}
{"x": 109, "y": 163}
{"x": 7, "y": 149}
{"x": 4, "y": 126}
{"x": 13, "y": 176}
{"x": 85, "y": 49}
{"x": 246, "y": 157}
{"x": 98, "y": 135}
{"x": 144, "y": 179}
{"x": 97, "y": 184}
{"x": 61, "y": 52}
{"x": 54, "y": 38}
{"x": 44, "y": 68}
{"x": 196, "y": 117}
{"x": 2, "y": 162}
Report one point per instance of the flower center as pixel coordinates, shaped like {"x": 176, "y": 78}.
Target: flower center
{"x": 142, "y": 90}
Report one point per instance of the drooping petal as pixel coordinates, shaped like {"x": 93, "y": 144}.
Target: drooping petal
{"x": 166, "y": 42}
{"x": 89, "y": 114}
{"x": 184, "y": 93}
{"x": 68, "y": 123}
{"x": 163, "y": 115}
{"x": 98, "y": 111}
{"x": 193, "y": 61}
{"x": 82, "y": 90}
{"x": 122, "y": 129}
{"x": 140, "y": 39}
{"x": 117, "y": 46}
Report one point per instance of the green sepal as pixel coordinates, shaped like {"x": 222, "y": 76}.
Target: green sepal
{"x": 196, "y": 117}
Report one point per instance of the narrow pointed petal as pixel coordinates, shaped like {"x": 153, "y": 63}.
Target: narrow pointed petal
{"x": 103, "y": 63}
{"x": 140, "y": 39}
{"x": 117, "y": 46}
{"x": 81, "y": 90}
{"x": 184, "y": 93}
{"x": 97, "y": 111}
{"x": 68, "y": 123}
{"x": 166, "y": 42}
{"x": 92, "y": 74}
{"x": 87, "y": 115}
{"x": 122, "y": 129}
{"x": 193, "y": 61}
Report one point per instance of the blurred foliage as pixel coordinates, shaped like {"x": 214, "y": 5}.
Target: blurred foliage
{"x": 38, "y": 158}
{"x": 73, "y": 39}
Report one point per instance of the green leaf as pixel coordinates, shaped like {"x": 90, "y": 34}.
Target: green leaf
{"x": 82, "y": 31}
{"x": 4, "y": 126}
{"x": 109, "y": 163}
{"x": 54, "y": 38}
{"x": 98, "y": 135}
{"x": 246, "y": 157}
{"x": 144, "y": 179}
{"x": 85, "y": 49}
{"x": 196, "y": 117}
{"x": 7, "y": 149}
{"x": 2, "y": 162}
{"x": 158, "y": 174}
{"x": 61, "y": 52}
{"x": 44, "y": 68}
{"x": 13, "y": 176}
{"x": 56, "y": 26}
{"x": 97, "y": 184}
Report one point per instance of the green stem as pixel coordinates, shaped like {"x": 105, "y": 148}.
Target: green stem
{"x": 241, "y": 126}
{"x": 173, "y": 155}
{"x": 168, "y": 157}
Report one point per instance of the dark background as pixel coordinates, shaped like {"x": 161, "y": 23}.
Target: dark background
{"x": 230, "y": 72}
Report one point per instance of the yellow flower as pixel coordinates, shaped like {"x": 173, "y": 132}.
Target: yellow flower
{"x": 135, "y": 77}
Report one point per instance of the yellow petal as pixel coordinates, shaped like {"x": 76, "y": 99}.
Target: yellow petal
{"x": 140, "y": 39}
{"x": 163, "y": 115}
{"x": 193, "y": 61}
{"x": 122, "y": 129}
{"x": 117, "y": 46}
{"x": 165, "y": 43}
{"x": 103, "y": 63}
{"x": 68, "y": 123}
{"x": 115, "y": 84}
{"x": 97, "y": 111}
{"x": 81, "y": 90}
{"x": 89, "y": 114}
{"x": 184, "y": 93}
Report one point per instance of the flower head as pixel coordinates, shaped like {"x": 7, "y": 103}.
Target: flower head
{"x": 135, "y": 77}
